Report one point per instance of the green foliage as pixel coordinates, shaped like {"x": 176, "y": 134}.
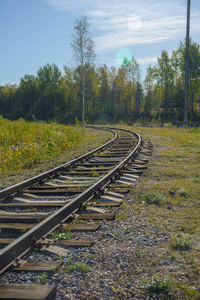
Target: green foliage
{"x": 84, "y": 268}
{"x": 69, "y": 259}
{"x": 81, "y": 267}
{"x": 41, "y": 279}
{"x": 66, "y": 235}
{"x": 189, "y": 292}
{"x": 181, "y": 241}
{"x": 23, "y": 144}
{"x": 195, "y": 130}
{"x": 153, "y": 199}
{"x": 109, "y": 93}
{"x": 70, "y": 268}
{"x": 182, "y": 192}
{"x": 95, "y": 174}
{"x": 159, "y": 284}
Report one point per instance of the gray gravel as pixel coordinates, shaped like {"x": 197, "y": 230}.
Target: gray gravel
{"x": 114, "y": 261}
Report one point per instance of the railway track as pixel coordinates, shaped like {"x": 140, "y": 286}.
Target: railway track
{"x": 80, "y": 189}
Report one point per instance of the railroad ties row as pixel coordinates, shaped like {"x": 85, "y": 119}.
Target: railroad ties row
{"x": 36, "y": 203}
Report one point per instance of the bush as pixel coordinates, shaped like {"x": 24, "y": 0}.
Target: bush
{"x": 153, "y": 199}
{"x": 181, "y": 242}
{"x": 159, "y": 285}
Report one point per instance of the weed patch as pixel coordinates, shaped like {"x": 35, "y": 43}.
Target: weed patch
{"x": 159, "y": 285}
{"x": 41, "y": 279}
{"x": 181, "y": 241}
{"x": 66, "y": 235}
{"x": 182, "y": 192}
{"x": 153, "y": 199}
{"x": 81, "y": 267}
{"x": 188, "y": 292}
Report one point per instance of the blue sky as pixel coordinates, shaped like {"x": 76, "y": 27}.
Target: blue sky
{"x": 37, "y": 32}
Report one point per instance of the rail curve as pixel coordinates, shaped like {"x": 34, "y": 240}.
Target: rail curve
{"x": 33, "y": 237}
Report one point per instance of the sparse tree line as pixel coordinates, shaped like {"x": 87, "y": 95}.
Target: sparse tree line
{"x": 110, "y": 94}
{"x": 164, "y": 85}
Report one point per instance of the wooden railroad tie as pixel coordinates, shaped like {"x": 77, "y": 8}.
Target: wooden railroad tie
{"x": 27, "y": 291}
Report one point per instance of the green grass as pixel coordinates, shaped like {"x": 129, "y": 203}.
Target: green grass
{"x": 66, "y": 235}
{"x": 174, "y": 166}
{"x": 181, "y": 241}
{"x": 15, "y": 172}
{"x": 41, "y": 279}
{"x": 159, "y": 285}
{"x": 71, "y": 268}
{"x": 81, "y": 267}
{"x": 95, "y": 174}
{"x": 153, "y": 199}
{"x": 23, "y": 144}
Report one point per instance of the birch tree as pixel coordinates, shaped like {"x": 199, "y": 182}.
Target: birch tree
{"x": 83, "y": 48}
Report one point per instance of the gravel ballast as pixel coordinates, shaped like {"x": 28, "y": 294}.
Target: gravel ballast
{"x": 113, "y": 268}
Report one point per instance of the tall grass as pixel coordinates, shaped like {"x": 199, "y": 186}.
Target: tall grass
{"x": 23, "y": 144}
{"x": 184, "y": 136}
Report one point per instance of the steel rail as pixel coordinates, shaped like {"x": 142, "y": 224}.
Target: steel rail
{"x": 17, "y": 188}
{"x": 32, "y": 237}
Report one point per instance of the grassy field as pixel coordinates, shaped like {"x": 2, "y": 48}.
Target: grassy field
{"x": 29, "y": 148}
{"x": 168, "y": 196}
{"x": 23, "y": 144}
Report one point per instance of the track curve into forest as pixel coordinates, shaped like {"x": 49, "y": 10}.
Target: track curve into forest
{"x": 79, "y": 189}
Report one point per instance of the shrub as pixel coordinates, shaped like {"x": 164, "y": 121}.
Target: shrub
{"x": 153, "y": 199}
{"x": 182, "y": 192}
{"x": 181, "y": 241}
{"x": 159, "y": 285}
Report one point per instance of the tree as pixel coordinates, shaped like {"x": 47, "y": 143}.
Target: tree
{"x": 149, "y": 90}
{"x": 139, "y": 89}
{"x": 70, "y": 90}
{"x": 164, "y": 75}
{"x": 133, "y": 80}
{"x": 194, "y": 69}
{"x": 83, "y": 47}
{"x": 104, "y": 96}
{"x": 27, "y": 96}
{"x": 8, "y": 100}
{"x": 49, "y": 80}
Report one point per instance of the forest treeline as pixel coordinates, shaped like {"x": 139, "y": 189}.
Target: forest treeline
{"x": 111, "y": 94}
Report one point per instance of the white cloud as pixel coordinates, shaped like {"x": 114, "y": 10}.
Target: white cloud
{"x": 129, "y": 22}
{"x": 147, "y": 60}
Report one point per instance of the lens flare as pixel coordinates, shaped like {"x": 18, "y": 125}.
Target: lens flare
{"x": 123, "y": 53}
